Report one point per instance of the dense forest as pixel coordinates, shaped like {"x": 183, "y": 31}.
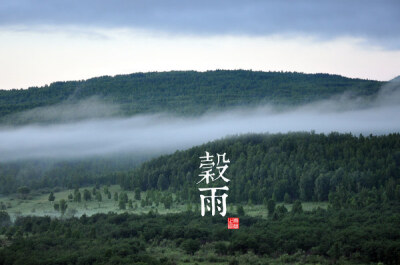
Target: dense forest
{"x": 359, "y": 236}
{"x": 357, "y": 178}
{"x": 343, "y": 168}
{"x": 186, "y": 92}
{"x": 37, "y": 174}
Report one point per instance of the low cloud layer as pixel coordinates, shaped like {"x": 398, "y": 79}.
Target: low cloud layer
{"x": 66, "y": 111}
{"x": 164, "y": 133}
{"x": 376, "y": 20}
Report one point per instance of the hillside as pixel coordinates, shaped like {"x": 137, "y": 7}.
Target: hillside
{"x": 343, "y": 168}
{"x": 187, "y": 92}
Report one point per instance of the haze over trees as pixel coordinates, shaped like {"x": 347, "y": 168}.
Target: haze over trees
{"x": 183, "y": 92}
{"x": 358, "y": 177}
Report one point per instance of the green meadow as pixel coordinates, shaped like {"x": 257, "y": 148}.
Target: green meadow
{"x": 38, "y": 204}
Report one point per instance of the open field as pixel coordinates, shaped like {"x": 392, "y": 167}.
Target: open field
{"x": 39, "y": 205}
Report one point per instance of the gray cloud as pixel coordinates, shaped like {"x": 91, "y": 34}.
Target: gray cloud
{"x": 163, "y": 133}
{"x": 378, "y": 21}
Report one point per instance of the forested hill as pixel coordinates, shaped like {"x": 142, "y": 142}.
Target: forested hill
{"x": 188, "y": 92}
{"x": 311, "y": 167}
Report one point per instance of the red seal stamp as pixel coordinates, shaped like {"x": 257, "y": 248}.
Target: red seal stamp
{"x": 233, "y": 223}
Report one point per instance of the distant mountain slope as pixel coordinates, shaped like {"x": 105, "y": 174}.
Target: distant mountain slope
{"x": 304, "y": 166}
{"x": 188, "y": 92}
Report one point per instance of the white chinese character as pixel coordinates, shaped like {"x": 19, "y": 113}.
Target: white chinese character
{"x": 209, "y": 201}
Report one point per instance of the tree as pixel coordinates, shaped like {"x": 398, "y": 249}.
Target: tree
{"x": 24, "y": 191}
{"x": 280, "y": 212}
{"x": 167, "y": 201}
{"x": 70, "y": 197}
{"x": 122, "y": 205}
{"x": 137, "y": 194}
{"x": 116, "y": 196}
{"x": 240, "y": 210}
{"x": 63, "y": 206}
{"x": 130, "y": 205}
{"x": 124, "y": 197}
{"x": 56, "y": 206}
{"x": 297, "y": 207}
{"x": 51, "y": 197}
{"x": 162, "y": 182}
{"x": 87, "y": 196}
{"x": 287, "y": 198}
{"x": 77, "y": 196}
{"x": 221, "y": 248}
{"x": 98, "y": 196}
{"x": 190, "y": 246}
{"x": 5, "y": 219}
{"x": 271, "y": 207}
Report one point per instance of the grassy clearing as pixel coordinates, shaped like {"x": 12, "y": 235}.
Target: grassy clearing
{"x": 39, "y": 205}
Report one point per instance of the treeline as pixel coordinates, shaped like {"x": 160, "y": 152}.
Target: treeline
{"x": 186, "y": 92}
{"x": 371, "y": 234}
{"x": 38, "y": 174}
{"x": 342, "y": 168}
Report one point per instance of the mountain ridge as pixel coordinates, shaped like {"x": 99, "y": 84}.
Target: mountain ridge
{"x": 188, "y": 92}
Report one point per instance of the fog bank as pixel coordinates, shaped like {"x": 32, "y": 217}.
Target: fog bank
{"x": 163, "y": 133}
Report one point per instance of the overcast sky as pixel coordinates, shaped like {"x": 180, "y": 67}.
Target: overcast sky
{"x": 49, "y": 40}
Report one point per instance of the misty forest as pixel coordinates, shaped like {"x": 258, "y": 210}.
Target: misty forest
{"x": 105, "y": 170}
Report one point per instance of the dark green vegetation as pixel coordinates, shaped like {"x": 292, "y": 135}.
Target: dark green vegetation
{"x": 359, "y": 176}
{"x": 186, "y": 93}
{"x": 371, "y": 234}
{"x": 66, "y": 174}
{"x": 343, "y": 168}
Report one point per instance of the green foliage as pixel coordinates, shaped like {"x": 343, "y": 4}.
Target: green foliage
{"x": 137, "y": 194}
{"x": 51, "y": 197}
{"x": 77, "y": 196}
{"x": 63, "y": 206}
{"x": 23, "y": 190}
{"x": 305, "y": 166}
{"x": 271, "y": 207}
{"x": 191, "y": 246}
{"x": 122, "y": 205}
{"x": 5, "y": 219}
{"x": 87, "y": 196}
{"x": 287, "y": 198}
{"x": 186, "y": 93}
{"x": 123, "y": 197}
{"x": 347, "y": 236}
{"x": 98, "y": 196}
{"x": 240, "y": 210}
{"x": 297, "y": 208}
{"x": 167, "y": 201}
{"x": 221, "y": 248}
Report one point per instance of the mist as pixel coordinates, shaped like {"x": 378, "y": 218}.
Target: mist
{"x": 166, "y": 133}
